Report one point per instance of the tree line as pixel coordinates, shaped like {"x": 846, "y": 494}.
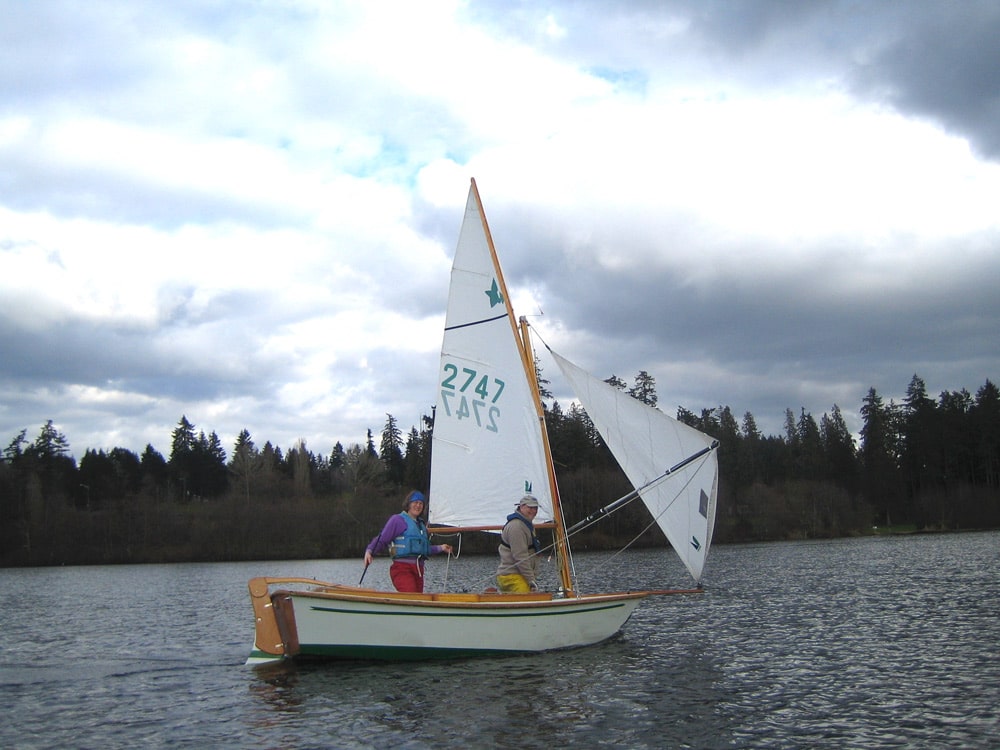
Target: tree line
{"x": 924, "y": 463}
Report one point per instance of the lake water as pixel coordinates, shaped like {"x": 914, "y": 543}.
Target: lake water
{"x": 860, "y": 643}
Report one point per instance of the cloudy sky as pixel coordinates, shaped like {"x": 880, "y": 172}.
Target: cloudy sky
{"x": 245, "y": 212}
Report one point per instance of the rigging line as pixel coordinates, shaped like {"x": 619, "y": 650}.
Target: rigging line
{"x": 581, "y": 526}
{"x": 548, "y": 549}
{"x": 625, "y": 499}
{"x": 657, "y": 517}
{"x": 631, "y": 497}
{"x": 458, "y": 554}
{"x": 676, "y": 467}
{"x": 447, "y": 565}
{"x": 635, "y": 494}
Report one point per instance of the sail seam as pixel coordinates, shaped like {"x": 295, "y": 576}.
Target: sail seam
{"x": 475, "y": 323}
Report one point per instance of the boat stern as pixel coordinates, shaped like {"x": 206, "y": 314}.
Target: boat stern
{"x": 275, "y": 634}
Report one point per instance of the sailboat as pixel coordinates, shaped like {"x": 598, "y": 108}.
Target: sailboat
{"x": 489, "y": 448}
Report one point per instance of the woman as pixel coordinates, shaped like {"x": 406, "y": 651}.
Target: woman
{"x": 405, "y": 534}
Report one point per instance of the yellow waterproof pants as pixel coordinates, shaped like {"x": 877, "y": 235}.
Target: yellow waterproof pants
{"x": 515, "y": 583}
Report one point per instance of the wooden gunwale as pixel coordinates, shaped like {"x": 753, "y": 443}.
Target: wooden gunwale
{"x": 325, "y": 590}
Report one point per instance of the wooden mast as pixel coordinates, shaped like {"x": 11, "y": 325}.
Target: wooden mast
{"x": 561, "y": 539}
{"x": 528, "y": 362}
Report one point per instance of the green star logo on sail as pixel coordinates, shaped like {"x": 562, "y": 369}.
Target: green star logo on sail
{"x": 494, "y": 294}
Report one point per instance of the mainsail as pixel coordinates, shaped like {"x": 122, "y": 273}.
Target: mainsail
{"x": 487, "y": 448}
{"x": 650, "y": 446}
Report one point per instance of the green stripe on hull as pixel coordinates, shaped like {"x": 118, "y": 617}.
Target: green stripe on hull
{"x": 363, "y": 652}
{"x": 255, "y": 654}
{"x": 493, "y": 613}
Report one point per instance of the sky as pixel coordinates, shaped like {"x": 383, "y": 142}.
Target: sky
{"x": 245, "y": 213}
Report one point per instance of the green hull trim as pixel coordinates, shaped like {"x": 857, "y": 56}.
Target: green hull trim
{"x": 362, "y": 652}
{"x": 256, "y": 655}
{"x": 490, "y": 614}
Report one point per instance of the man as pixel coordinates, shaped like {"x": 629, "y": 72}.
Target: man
{"x": 519, "y": 549}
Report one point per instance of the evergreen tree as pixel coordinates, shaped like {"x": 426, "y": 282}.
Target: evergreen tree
{"x": 985, "y": 423}
{"x": 197, "y": 464}
{"x": 50, "y": 443}
{"x": 391, "y": 451}
{"x": 729, "y": 439}
{"x": 543, "y": 383}
{"x": 416, "y": 463}
{"x": 338, "y": 459}
{"x": 747, "y": 449}
{"x": 958, "y": 443}
{"x": 709, "y": 422}
{"x": 840, "y": 450}
{"x": 687, "y": 417}
{"x": 155, "y": 472}
{"x": 183, "y": 460}
{"x": 15, "y": 449}
{"x": 245, "y": 464}
{"x": 644, "y": 389}
{"x": 555, "y": 426}
{"x": 214, "y": 474}
{"x": 791, "y": 429}
{"x": 920, "y": 446}
{"x": 301, "y": 462}
{"x": 97, "y": 479}
{"x": 811, "y": 457}
{"x": 616, "y": 382}
{"x": 272, "y": 470}
{"x": 578, "y": 439}
{"x": 182, "y": 439}
{"x": 878, "y": 458}
{"x": 52, "y": 464}
{"x": 128, "y": 469}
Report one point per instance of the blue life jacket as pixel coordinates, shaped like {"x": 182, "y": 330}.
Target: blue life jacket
{"x": 535, "y": 541}
{"x": 413, "y": 542}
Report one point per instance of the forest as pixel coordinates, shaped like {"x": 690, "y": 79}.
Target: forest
{"x": 924, "y": 464}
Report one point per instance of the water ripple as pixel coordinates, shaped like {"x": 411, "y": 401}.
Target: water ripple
{"x": 874, "y": 643}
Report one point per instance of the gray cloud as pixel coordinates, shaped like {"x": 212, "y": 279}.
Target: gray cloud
{"x": 940, "y": 60}
{"x": 282, "y": 173}
{"x": 924, "y": 57}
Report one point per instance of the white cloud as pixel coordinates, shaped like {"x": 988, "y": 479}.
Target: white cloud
{"x": 249, "y": 214}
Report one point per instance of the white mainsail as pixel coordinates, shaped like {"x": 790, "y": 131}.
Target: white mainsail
{"x": 647, "y": 444}
{"x": 487, "y": 448}
{"x": 488, "y": 445}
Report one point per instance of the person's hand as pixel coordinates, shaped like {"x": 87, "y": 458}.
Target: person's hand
{"x": 533, "y": 586}
{"x": 368, "y": 557}
{"x": 446, "y": 548}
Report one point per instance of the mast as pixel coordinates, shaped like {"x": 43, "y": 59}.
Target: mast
{"x": 528, "y": 363}
{"x": 561, "y": 537}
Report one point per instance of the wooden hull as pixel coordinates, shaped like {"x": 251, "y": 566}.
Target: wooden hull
{"x": 342, "y": 622}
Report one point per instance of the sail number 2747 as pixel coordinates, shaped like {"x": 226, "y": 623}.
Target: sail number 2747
{"x": 459, "y": 389}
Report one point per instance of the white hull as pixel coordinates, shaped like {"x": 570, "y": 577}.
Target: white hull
{"x": 348, "y": 623}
